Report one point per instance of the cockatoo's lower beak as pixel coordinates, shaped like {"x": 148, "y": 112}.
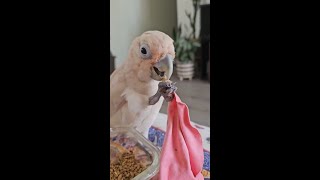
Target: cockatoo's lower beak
{"x": 162, "y": 69}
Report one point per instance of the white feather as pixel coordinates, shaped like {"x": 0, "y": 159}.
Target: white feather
{"x": 131, "y": 84}
{"x": 136, "y": 112}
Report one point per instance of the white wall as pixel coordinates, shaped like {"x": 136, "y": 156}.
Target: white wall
{"x": 183, "y": 20}
{"x": 130, "y": 18}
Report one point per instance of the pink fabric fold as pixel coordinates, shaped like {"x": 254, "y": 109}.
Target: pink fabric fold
{"x": 182, "y": 152}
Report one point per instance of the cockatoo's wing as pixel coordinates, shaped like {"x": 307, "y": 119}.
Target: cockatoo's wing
{"x": 117, "y": 87}
{"x": 136, "y": 111}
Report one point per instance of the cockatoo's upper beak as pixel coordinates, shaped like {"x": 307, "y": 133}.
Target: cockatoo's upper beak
{"x": 163, "y": 68}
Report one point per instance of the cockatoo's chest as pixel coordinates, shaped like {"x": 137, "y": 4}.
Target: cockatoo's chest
{"x": 131, "y": 100}
{"x": 136, "y": 102}
{"x": 139, "y": 87}
{"x": 137, "y": 109}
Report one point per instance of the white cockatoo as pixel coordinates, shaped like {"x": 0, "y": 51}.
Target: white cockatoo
{"x": 133, "y": 85}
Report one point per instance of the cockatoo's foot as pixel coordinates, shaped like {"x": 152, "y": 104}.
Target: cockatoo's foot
{"x": 168, "y": 93}
{"x": 165, "y": 89}
{"x": 154, "y": 99}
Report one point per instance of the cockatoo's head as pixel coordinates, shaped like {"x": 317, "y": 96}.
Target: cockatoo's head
{"x": 153, "y": 52}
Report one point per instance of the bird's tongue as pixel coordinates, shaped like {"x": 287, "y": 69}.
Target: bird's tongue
{"x": 161, "y": 74}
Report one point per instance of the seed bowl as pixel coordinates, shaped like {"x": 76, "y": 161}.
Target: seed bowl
{"x": 129, "y": 139}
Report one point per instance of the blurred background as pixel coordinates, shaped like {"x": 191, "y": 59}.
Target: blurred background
{"x": 188, "y": 23}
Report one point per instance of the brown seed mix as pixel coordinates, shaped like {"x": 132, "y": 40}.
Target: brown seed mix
{"x": 126, "y": 168}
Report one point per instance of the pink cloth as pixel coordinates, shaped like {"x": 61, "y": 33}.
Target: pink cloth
{"x": 182, "y": 152}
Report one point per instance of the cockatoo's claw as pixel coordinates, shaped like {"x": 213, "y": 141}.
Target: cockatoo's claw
{"x": 169, "y": 97}
{"x": 164, "y": 84}
{"x": 165, "y": 89}
{"x": 168, "y": 91}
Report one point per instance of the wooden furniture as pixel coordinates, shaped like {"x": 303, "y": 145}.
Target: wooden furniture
{"x": 205, "y": 40}
{"x": 112, "y": 66}
{"x": 208, "y": 66}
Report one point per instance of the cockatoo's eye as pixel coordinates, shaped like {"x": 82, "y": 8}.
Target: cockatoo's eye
{"x": 145, "y": 51}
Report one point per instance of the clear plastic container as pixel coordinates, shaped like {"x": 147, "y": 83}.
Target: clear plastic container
{"x": 144, "y": 150}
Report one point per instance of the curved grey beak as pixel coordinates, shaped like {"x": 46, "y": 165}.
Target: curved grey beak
{"x": 163, "y": 68}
